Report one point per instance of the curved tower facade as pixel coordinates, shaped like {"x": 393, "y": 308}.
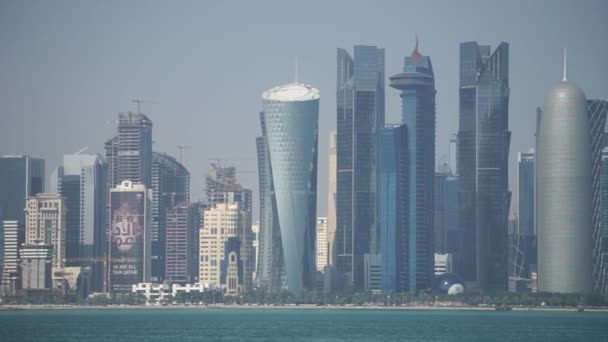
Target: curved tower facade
{"x": 290, "y": 116}
{"x": 564, "y": 192}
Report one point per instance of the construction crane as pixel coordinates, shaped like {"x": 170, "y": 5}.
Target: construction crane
{"x": 181, "y": 149}
{"x": 140, "y": 101}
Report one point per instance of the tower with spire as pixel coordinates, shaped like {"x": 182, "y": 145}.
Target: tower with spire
{"x": 417, "y": 90}
{"x": 564, "y": 200}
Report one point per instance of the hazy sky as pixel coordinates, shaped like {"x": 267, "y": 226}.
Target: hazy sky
{"x": 68, "y": 67}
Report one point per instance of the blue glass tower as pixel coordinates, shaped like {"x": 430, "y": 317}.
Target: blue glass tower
{"x": 360, "y": 116}
{"x": 526, "y": 193}
{"x": 448, "y": 238}
{"x": 393, "y": 189}
{"x": 417, "y": 86}
{"x": 81, "y": 180}
{"x": 171, "y": 186}
{"x": 483, "y": 151}
{"x": 290, "y": 117}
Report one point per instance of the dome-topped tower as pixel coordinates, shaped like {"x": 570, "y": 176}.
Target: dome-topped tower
{"x": 564, "y": 191}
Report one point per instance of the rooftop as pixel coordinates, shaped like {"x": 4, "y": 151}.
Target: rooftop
{"x": 291, "y": 93}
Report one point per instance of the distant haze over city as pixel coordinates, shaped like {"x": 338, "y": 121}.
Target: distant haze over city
{"x": 69, "y": 67}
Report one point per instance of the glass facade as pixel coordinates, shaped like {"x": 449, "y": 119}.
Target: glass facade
{"x": 360, "y": 116}
{"x": 526, "y": 193}
{"x": 393, "y": 207}
{"x": 170, "y": 187}
{"x": 448, "y": 238}
{"x": 417, "y": 86}
{"x": 483, "y": 150}
{"x": 20, "y": 177}
{"x": 290, "y": 127}
{"x": 82, "y": 183}
{"x": 597, "y": 111}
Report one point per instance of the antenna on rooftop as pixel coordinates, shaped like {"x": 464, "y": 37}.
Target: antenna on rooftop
{"x": 296, "y": 70}
{"x": 140, "y": 101}
{"x": 565, "y": 65}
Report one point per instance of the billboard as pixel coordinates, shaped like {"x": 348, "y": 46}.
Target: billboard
{"x": 127, "y": 239}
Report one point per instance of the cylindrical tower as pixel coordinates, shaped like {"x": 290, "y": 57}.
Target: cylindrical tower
{"x": 564, "y": 192}
{"x": 291, "y": 115}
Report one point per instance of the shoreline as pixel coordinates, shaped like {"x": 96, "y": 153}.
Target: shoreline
{"x": 51, "y": 307}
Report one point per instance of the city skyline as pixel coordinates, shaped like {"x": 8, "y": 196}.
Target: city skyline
{"x": 288, "y": 160}
{"x": 66, "y": 99}
{"x": 322, "y": 170}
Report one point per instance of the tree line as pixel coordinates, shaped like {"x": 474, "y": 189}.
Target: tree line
{"x": 341, "y": 298}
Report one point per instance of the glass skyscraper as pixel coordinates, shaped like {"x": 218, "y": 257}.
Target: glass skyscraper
{"x": 603, "y": 231}
{"x": 170, "y": 187}
{"x": 20, "y": 177}
{"x": 597, "y": 111}
{"x": 360, "y": 116}
{"x": 270, "y": 267}
{"x": 393, "y": 189}
{"x": 417, "y": 86}
{"x": 526, "y": 192}
{"x": 522, "y": 244}
{"x": 447, "y": 235}
{"x": 81, "y": 181}
{"x": 483, "y": 151}
{"x": 290, "y": 127}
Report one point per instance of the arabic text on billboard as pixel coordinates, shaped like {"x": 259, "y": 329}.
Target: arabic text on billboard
{"x": 127, "y": 240}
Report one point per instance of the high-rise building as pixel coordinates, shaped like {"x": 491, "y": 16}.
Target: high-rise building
{"x": 222, "y": 187}
{"x": 564, "y": 204}
{"x": 331, "y": 201}
{"x": 360, "y": 117}
{"x": 522, "y": 242}
{"x": 417, "y": 86}
{"x": 12, "y": 239}
{"x": 45, "y": 225}
{"x": 222, "y": 222}
{"x": 129, "y": 243}
{"x": 182, "y": 235}
{"x": 393, "y": 208}
{"x": 129, "y": 154}
{"x": 255, "y": 230}
{"x": 597, "y": 111}
{"x": 453, "y": 155}
{"x": 36, "y": 266}
{"x": 526, "y": 186}
{"x": 81, "y": 181}
{"x": 448, "y": 237}
{"x": 603, "y": 231}
{"x": 170, "y": 187}
{"x": 20, "y": 177}
{"x": 483, "y": 150}
{"x": 288, "y": 154}
{"x": 322, "y": 247}
{"x": 269, "y": 268}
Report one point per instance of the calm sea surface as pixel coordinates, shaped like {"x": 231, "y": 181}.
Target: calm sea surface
{"x": 299, "y": 325}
